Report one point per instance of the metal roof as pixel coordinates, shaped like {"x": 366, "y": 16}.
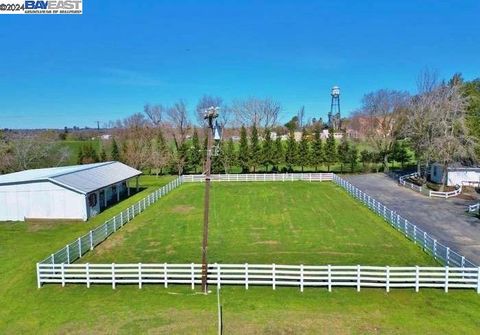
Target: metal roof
{"x": 81, "y": 178}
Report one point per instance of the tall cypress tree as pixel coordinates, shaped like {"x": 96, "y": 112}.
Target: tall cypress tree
{"x": 115, "y": 151}
{"x": 303, "y": 151}
{"x": 255, "y": 149}
{"x": 352, "y": 157}
{"x": 230, "y": 155}
{"x": 243, "y": 152}
{"x": 292, "y": 151}
{"x": 278, "y": 156}
{"x": 267, "y": 150}
{"x": 343, "y": 152}
{"x": 195, "y": 154}
{"x": 317, "y": 155}
{"x": 330, "y": 150}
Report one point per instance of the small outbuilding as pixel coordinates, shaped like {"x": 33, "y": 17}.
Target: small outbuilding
{"x": 69, "y": 192}
{"x": 456, "y": 175}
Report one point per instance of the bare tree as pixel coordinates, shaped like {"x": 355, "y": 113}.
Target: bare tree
{"x": 177, "y": 115}
{"x": 259, "y": 112}
{"x": 383, "y": 115}
{"x": 452, "y": 142}
{"x": 155, "y": 114}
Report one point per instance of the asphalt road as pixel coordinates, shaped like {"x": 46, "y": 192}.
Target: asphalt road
{"x": 444, "y": 219}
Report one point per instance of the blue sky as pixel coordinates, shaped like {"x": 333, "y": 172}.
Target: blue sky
{"x": 58, "y": 71}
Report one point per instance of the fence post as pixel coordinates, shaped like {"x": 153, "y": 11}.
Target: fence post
{"x": 329, "y": 274}
{"x": 63, "y": 274}
{"x": 68, "y": 253}
{"x": 87, "y": 274}
{"x": 273, "y": 276}
{"x": 358, "y": 278}
{"x": 478, "y": 280}
{"x": 113, "y": 275}
{"x": 91, "y": 239}
{"x": 448, "y": 255}
{"x": 39, "y": 281}
{"x": 435, "y": 249}
{"x": 417, "y": 278}
{"x": 217, "y": 268}
{"x": 193, "y": 276}
{"x": 388, "y": 278}
{"x": 246, "y": 276}
{"x": 106, "y": 229}
{"x": 415, "y": 234}
{"x": 165, "y": 276}
{"x": 446, "y": 279}
{"x": 424, "y": 240}
{"x": 463, "y": 261}
{"x": 140, "y": 275}
{"x": 52, "y": 257}
{"x": 301, "y": 277}
{"x": 79, "y": 248}
{"x": 115, "y": 223}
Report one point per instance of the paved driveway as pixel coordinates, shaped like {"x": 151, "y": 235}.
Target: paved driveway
{"x": 445, "y": 220}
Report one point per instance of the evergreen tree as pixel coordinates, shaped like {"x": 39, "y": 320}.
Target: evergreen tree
{"x": 303, "y": 158}
{"x": 115, "y": 152}
{"x": 267, "y": 150}
{"x": 243, "y": 152}
{"x": 87, "y": 154}
{"x": 230, "y": 157}
{"x": 400, "y": 153}
{"x": 317, "y": 150}
{"x": 365, "y": 158}
{"x": 330, "y": 151}
{"x": 352, "y": 157}
{"x": 278, "y": 156}
{"x": 343, "y": 150}
{"x": 195, "y": 154}
{"x": 292, "y": 151}
{"x": 218, "y": 158}
{"x": 255, "y": 149}
{"x": 103, "y": 155}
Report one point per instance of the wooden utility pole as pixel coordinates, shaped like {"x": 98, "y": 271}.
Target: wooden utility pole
{"x": 210, "y": 116}
{"x": 206, "y": 207}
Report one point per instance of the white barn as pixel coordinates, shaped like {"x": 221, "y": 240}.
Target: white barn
{"x": 70, "y": 192}
{"x": 456, "y": 175}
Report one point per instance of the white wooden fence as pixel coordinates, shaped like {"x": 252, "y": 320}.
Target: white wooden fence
{"x": 76, "y": 249}
{"x": 261, "y": 177}
{"x": 474, "y": 208}
{"x": 446, "y": 195}
{"x": 440, "y": 252}
{"x": 273, "y": 275}
{"x": 402, "y": 180}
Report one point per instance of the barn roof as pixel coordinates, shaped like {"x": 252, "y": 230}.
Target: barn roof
{"x": 81, "y": 178}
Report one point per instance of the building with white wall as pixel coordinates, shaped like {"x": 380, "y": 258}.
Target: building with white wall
{"x": 456, "y": 175}
{"x": 70, "y": 192}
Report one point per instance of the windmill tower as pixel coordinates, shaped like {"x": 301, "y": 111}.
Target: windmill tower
{"x": 334, "y": 115}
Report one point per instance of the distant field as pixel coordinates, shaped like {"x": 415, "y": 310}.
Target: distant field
{"x": 74, "y": 147}
{"x": 283, "y": 223}
{"x": 157, "y": 234}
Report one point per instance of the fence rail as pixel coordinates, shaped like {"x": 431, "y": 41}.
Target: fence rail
{"x": 440, "y": 252}
{"x": 261, "y": 177}
{"x": 273, "y": 275}
{"x": 446, "y": 195}
{"x": 402, "y": 180}
{"x": 474, "y": 208}
{"x": 76, "y": 249}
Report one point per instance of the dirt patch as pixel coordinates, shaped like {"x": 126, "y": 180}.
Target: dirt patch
{"x": 182, "y": 209}
{"x": 38, "y": 225}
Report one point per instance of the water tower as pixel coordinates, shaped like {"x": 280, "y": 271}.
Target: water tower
{"x": 334, "y": 115}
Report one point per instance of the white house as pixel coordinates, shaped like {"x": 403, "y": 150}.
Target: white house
{"x": 70, "y": 192}
{"x": 456, "y": 175}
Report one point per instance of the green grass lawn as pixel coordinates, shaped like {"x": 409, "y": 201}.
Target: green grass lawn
{"x": 178, "y": 310}
{"x": 283, "y": 223}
